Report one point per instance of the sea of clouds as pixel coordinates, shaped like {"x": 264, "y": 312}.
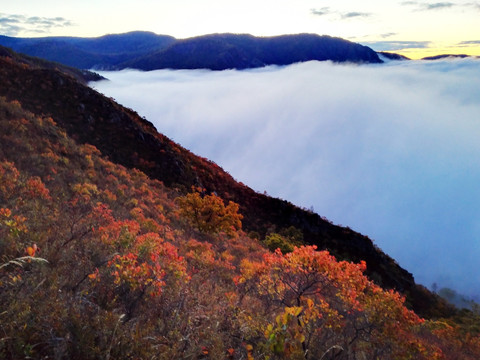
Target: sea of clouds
{"x": 390, "y": 150}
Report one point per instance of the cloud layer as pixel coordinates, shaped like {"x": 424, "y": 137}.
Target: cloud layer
{"x": 391, "y": 150}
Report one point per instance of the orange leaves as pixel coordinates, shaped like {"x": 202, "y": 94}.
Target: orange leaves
{"x": 203, "y": 260}
{"x": 36, "y": 188}
{"x": 249, "y": 349}
{"x": 147, "y": 224}
{"x": 148, "y": 266}
{"x": 154, "y": 249}
{"x": 31, "y": 250}
{"x": 128, "y": 271}
{"x": 333, "y": 304}
{"x": 9, "y": 177}
{"x": 5, "y": 213}
{"x": 119, "y": 233}
{"x": 200, "y": 253}
{"x": 94, "y": 276}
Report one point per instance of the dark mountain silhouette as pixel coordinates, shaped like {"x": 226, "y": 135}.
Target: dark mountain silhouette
{"x": 446, "y": 56}
{"x": 127, "y": 139}
{"x": 392, "y": 56}
{"x": 103, "y": 52}
{"x": 83, "y": 76}
{"x": 148, "y": 51}
{"x": 226, "y": 51}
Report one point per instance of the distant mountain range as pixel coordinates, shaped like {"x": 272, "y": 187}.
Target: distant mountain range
{"x": 148, "y": 51}
{"x": 104, "y": 52}
{"x": 446, "y": 56}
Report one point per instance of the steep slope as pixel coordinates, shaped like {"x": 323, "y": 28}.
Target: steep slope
{"x": 127, "y": 139}
{"x": 100, "y": 261}
{"x": 84, "y": 76}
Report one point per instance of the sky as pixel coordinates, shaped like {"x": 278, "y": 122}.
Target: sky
{"x": 412, "y": 28}
{"x": 389, "y": 150}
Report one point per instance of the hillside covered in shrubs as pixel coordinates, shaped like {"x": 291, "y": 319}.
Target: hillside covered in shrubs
{"x": 105, "y": 259}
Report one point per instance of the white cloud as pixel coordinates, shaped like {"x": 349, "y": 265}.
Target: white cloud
{"x": 390, "y": 150}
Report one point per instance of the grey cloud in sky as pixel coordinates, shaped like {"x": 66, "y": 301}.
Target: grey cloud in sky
{"x": 396, "y": 45}
{"x": 389, "y": 150}
{"x": 321, "y": 12}
{"x": 438, "y": 5}
{"x": 423, "y": 6}
{"x": 14, "y": 24}
{"x": 469, "y": 42}
{"x": 387, "y": 35}
{"x": 342, "y": 15}
{"x": 355, "y": 14}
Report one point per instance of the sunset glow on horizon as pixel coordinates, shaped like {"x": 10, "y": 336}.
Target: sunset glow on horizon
{"x": 411, "y": 28}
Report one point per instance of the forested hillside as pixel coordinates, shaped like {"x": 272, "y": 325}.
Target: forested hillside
{"x": 125, "y": 138}
{"x": 117, "y": 243}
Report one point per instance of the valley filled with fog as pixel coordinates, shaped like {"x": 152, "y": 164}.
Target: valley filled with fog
{"x": 390, "y": 150}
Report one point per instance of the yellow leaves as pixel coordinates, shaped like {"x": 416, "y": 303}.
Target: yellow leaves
{"x": 85, "y": 190}
{"x": 294, "y": 310}
{"x": 15, "y": 224}
{"x": 209, "y": 214}
{"x": 287, "y": 335}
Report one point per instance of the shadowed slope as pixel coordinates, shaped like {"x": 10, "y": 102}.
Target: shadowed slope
{"x": 127, "y": 139}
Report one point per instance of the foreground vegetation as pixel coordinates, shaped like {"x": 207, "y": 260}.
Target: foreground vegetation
{"x": 99, "y": 261}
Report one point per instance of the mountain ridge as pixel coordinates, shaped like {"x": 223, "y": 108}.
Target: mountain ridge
{"x": 148, "y": 51}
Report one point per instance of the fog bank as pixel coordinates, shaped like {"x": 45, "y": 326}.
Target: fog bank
{"x": 390, "y": 150}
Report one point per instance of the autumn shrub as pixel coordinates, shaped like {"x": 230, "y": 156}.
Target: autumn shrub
{"x": 323, "y": 304}
{"x": 209, "y": 214}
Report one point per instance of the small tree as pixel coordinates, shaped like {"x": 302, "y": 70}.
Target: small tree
{"x": 209, "y": 214}
{"x": 276, "y": 241}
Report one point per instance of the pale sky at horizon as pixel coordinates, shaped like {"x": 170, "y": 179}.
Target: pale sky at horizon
{"x": 412, "y": 28}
